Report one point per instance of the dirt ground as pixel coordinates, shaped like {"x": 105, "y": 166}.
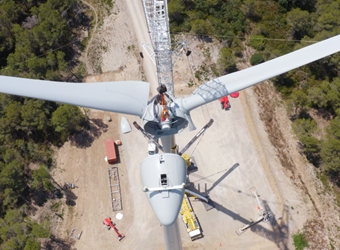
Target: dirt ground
{"x": 236, "y": 154}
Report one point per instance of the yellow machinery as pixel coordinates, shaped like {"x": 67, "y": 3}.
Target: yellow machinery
{"x": 187, "y": 159}
{"x": 190, "y": 220}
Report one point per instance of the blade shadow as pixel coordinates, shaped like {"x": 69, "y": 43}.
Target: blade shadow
{"x": 279, "y": 234}
{"x": 216, "y": 183}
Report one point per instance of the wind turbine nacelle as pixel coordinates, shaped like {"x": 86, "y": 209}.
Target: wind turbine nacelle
{"x": 164, "y": 177}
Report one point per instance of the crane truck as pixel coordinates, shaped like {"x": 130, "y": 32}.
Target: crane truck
{"x": 190, "y": 220}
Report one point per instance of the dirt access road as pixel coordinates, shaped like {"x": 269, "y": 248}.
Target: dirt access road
{"x": 233, "y": 156}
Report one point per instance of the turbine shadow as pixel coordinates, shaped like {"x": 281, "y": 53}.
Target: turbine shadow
{"x": 279, "y": 233}
{"x": 280, "y": 230}
{"x": 216, "y": 183}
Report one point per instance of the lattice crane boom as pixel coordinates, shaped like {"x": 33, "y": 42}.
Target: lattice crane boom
{"x": 156, "y": 13}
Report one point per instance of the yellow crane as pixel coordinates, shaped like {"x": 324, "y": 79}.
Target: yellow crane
{"x": 190, "y": 220}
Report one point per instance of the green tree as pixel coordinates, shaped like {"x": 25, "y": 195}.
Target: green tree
{"x": 302, "y": 23}
{"x": 13, "y": 231}
{"x": 300, "y": 99}
{"x": 11, "y": 244}
{"x": 62, "y": 64}
{"x": 32, "y": 244}
{"x": 333, "y": 129}
{"x": 10, "y": 198}
{"x": 38, "y": 152}
{"x": 11, "y": 176}
{"x": 51, "y": 30}
{"x": 12, "y": 115}
{"x": 9, "y": 14}
{"x": 310, "y": 144}
{"x": 250, "y": 9}
{"x": 176, "y": 11}
{"x": 67, "y": 119}
{"x": 34, "y": 114}
{"x": 227, "y": 62}
{"x": 17, "y": 232}
{"x": 258, "y": 42}
{"x": 41, "y": 178}
{"x": 257, "y": 58}
{"x": 330, "y": 152}
{"x": 317, "y": 96}
{"x": 199, "y": 27}
{"x": 326, "y": 95}
{"x": 40, "y": 231}
{"x": 328, "y": 13}
{"x": 303, "y": 127}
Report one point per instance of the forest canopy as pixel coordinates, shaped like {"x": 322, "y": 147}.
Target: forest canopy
{"x": 38, "y": 39}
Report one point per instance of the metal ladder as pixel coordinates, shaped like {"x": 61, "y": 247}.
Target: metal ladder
{"x": 116, "y": 201}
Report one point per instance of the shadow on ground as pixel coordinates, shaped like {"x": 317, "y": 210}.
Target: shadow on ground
{"x": 216, "y": 183}
{"x": 70, "y": 197}
{"x": 279, "y": 233}
{"x": 86, "y": 136}
{"x": 55, "y": 243}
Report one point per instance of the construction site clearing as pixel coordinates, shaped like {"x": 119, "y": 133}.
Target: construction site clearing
{"x": 187, "y": 214}
{"x": 226, "y": 179}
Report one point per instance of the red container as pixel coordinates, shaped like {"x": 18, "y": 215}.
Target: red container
{"x": 111, "y": 153}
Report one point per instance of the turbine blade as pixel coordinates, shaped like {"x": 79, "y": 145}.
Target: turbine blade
{"x": 237, "y": 81}
{"x": 127, "y": 97}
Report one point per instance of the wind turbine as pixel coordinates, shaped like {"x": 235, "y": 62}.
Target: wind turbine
{"x": 163, "y": 116}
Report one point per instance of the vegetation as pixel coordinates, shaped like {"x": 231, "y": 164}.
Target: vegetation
{"x": 315, "y": 86}
{"x": 300, "y": 241}
{"x": 274, "y": 28}
{"x": 257, "y": 58}
{"x": 35, "y": 39}
{"x": 221, "y": 19}
{"x": 17, "y": 233}
{"x": 227, "y": 61}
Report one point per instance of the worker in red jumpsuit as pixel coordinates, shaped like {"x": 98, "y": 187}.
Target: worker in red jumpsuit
{"x": 224, "y": 103}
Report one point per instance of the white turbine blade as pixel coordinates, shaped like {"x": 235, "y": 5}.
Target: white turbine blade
{"x": 127, "y": 97}
{"x": 228, "y": 84}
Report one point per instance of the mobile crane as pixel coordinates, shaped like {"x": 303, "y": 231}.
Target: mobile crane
{"x": 190, "y": 219}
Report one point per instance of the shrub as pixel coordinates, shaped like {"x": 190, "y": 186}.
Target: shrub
{"x": 256, "y": 59}
{"x": 258, "y": 42}
{"x": 299, "y": 241}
